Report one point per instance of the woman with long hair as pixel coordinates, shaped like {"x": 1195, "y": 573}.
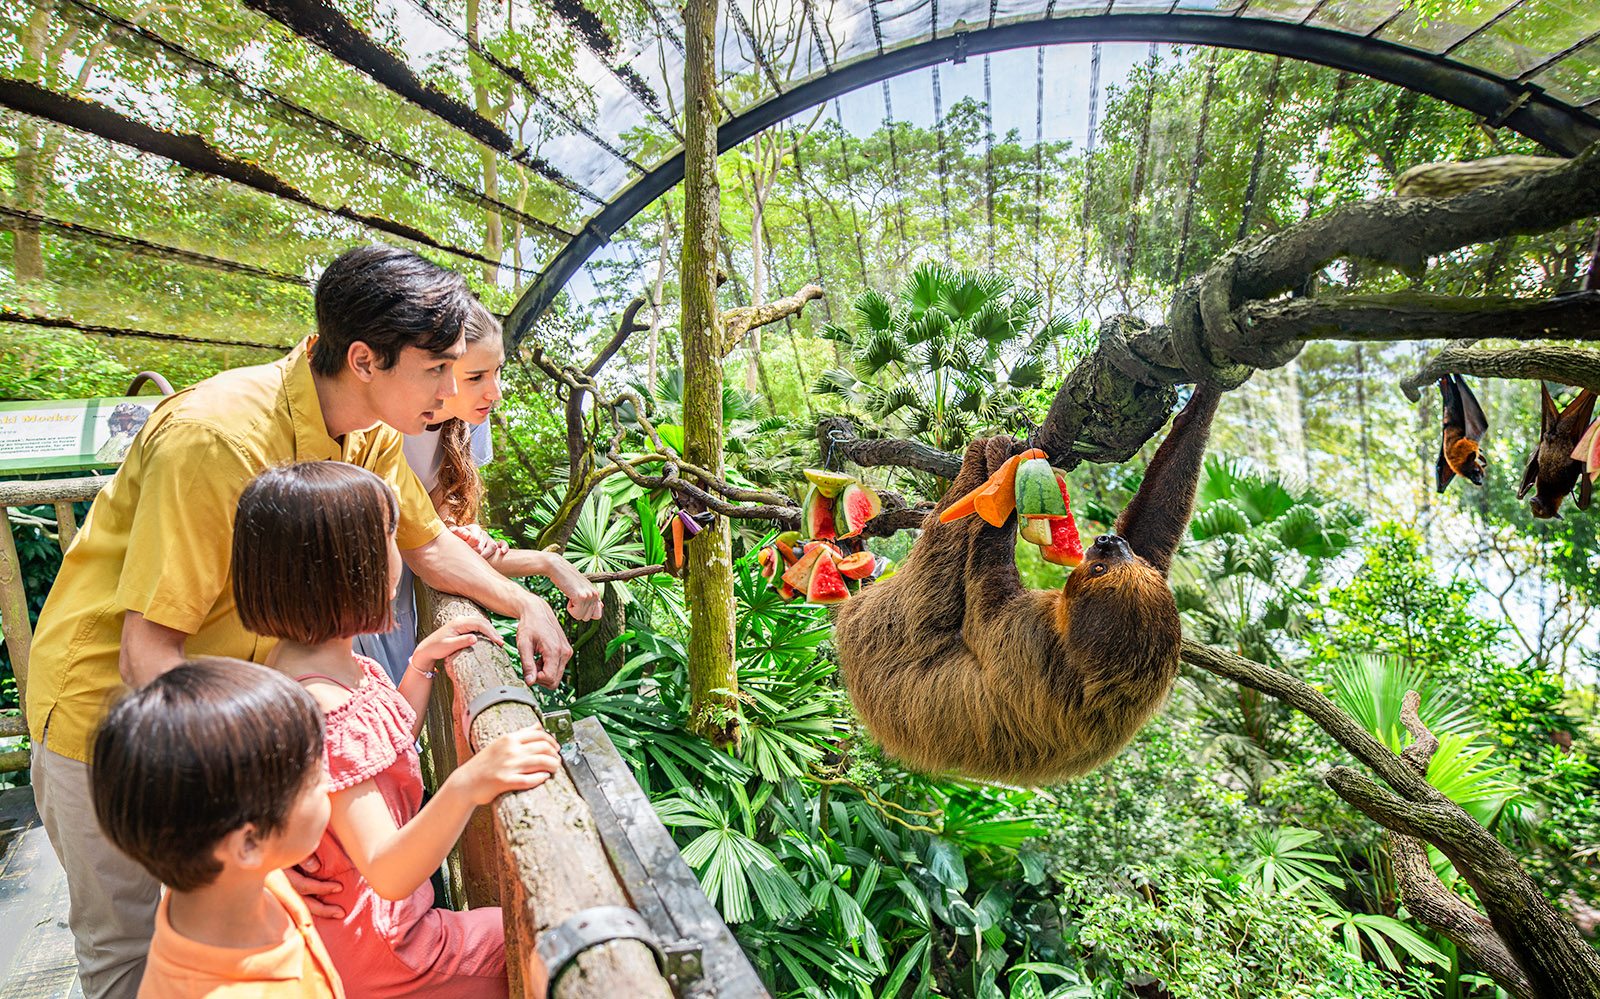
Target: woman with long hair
{"x": 446, "y": 457}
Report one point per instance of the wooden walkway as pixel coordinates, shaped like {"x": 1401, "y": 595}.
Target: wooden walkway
{"x": 36, "y": 957}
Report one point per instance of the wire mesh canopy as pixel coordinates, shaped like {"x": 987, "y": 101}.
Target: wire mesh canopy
{"x": 516, "y": 138}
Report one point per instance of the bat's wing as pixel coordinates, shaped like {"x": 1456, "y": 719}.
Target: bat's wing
{"x": 1548, "y": 417}
{"x": 1453, "y": 417}
{"x": 1575, "y": 418}
{"x": 1584, "y": 487}
{"x": 1444, "y": 472}
{"x": 1476, "y": 423}
{"x": 1531, "y": 475}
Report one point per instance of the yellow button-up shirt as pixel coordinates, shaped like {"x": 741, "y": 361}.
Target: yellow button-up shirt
{"x": 159, "y": 538}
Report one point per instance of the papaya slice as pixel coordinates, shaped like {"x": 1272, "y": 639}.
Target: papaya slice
{"x": 829, "y": 484}
{"x": 854, "y": 507}
{"x": 996, "y": 498}
{"x": 858, "y": 566}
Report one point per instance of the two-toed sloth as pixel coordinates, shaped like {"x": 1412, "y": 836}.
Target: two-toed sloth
{"x": 954, "y": 666}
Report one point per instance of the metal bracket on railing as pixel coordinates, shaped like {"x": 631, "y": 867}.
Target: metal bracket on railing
{"x": 557, "y": 723}
{"x": 560, "y": 945}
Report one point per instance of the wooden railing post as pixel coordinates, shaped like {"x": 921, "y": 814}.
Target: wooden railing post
{"x": 13, "y": 594}
{"x": 551, "y": 861}
{"x": 14, "y": 608}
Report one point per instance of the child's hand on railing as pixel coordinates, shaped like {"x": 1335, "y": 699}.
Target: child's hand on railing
{"x": 459, "y": 633}
{"x": 514, "y": 762}
{"x": 479, "y": 540}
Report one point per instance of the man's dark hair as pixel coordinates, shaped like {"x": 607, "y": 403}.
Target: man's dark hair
{"x": 311, "y": 552}
{"x": 204, "y": 749}
{"x": 388, "y": 299}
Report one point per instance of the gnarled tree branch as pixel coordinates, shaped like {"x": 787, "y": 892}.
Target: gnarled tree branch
{"x": 1551, "y": 362}
{"x": 737, "y": 322}
{"x": 1555, "y": 960}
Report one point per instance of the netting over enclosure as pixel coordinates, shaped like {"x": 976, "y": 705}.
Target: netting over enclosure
{"x": 514, "y": 139}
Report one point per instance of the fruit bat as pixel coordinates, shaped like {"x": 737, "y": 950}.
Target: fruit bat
{"x": 1464, "y": 427}
{"x": 1552, "y": 472}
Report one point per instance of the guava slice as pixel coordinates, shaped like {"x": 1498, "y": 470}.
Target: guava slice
{"x": 858, "y": 566}
{"x": 828, "y": 483}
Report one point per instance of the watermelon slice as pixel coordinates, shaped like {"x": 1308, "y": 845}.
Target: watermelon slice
{"x": 829, "y": 484}
{"x": 799, "y": 574}
{"x": 858, "y": 566}
{"x": 1065, "y": 547}
{"x": 786, "y": 591}
{"x": 769, "y": 560}
{"x": 1037, "y": 491}
{"x": 855, "y": 506}
{"x": 1586, "y": 443}
{"x": 826, "y": 585}
{"x": 816, "y": 517}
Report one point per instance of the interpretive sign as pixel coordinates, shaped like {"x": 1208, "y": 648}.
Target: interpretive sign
{"x": 69, "y": 433}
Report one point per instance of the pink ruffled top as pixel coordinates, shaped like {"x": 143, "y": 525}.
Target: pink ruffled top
{"x": 385, "y": 949}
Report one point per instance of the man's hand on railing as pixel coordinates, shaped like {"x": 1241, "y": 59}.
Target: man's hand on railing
{"x": 541, "y": 643}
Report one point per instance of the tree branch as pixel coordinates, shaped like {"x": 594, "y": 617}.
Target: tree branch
{"x": 1426, "y": 897}
{"x": 737, "y": 322}
{"x": 1551, "y": 362}
{"x": 1542, "y": 942}
{"x": 838, "y": 435}
{"x": 1417, "y": 316}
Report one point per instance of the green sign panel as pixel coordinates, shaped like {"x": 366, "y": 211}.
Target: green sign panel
{"x": 70, "y": 433}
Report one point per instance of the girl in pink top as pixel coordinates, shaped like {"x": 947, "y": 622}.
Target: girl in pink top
{"x": 315, "y": 564}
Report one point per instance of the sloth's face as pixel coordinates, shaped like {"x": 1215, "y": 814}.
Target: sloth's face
{"x": 1111, "y": 561}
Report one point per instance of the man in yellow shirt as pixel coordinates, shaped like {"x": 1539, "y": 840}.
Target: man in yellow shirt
{"x": 146, "y": 582}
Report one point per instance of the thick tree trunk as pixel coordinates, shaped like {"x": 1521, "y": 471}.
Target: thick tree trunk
{"x": 34, "y": 160}
{"x": 591, "y": 667}
{"x": 493, "y": 236}
{"x": 708, "y": 584}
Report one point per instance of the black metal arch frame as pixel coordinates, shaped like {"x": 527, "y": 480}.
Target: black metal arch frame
{"x": 1523, "y": 107}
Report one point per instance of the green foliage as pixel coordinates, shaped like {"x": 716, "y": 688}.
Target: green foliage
{"x": 1394, "y": 606}
{"x": 949, "y": 358}
{"x": 1203, "y": 936}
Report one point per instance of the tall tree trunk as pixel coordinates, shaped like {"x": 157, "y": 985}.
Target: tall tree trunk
{"x": 651, "y": 375}
{"x": 493, "y": 235}
{"x": 33, "y": 164}
{"x": 708, "y": 585}
{"x": 758, "y": 275}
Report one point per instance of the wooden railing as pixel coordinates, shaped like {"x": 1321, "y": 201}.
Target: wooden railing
{"x": 60, "y": 493}
{"x": 581, "y": 843}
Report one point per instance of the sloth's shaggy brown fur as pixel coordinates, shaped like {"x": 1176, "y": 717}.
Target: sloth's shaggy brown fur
{"x": 954, "y": 666}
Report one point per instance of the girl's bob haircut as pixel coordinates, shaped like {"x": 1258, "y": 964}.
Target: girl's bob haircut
{"x": 311, "y": 552}
{"x": 204, "y": 749}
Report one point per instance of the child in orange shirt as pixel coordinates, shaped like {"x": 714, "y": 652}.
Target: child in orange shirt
{"x": 212, "y": 777}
